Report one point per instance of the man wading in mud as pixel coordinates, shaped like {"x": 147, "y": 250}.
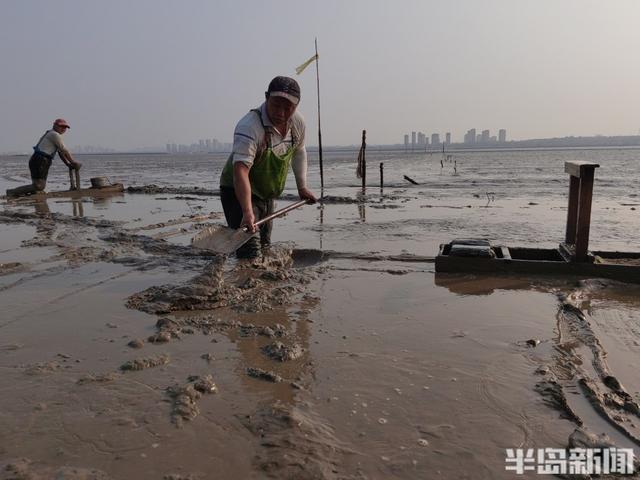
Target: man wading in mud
{"x": 49, "y": 144}
{"x": 265, "y": 142}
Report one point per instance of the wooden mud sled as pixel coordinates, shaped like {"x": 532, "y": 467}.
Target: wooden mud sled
{"x": 572, "y": 257}
{"x": 100, "y": 187}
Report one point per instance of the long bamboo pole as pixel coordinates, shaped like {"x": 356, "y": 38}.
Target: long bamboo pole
{"x": 319, "y": 129}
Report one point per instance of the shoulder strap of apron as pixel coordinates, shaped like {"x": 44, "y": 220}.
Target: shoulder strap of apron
{"x": 267, "y": 131}
{"x": 37, "y": 147}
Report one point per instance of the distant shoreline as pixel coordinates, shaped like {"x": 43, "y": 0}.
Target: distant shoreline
{"x": 453, "y": 148}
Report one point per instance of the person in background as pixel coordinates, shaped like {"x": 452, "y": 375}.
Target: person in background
{"x": 265, "y": 142}
{"x": 49, "y": 144}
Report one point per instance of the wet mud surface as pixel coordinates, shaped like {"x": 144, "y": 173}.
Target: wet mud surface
{"x": 337, "y": 354}
{"x": 580, "y": 366}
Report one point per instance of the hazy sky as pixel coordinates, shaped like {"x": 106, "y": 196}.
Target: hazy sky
{"x": 130, "y": 73}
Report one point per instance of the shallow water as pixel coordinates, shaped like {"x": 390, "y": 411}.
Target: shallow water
{"x": 404, "y": 373}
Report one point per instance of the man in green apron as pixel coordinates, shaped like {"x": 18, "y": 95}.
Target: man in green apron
{"x": 265, "y": 142}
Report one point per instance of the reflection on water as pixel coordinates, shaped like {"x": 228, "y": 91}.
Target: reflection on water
{"x": 78, "y": 209}
{"x": 41, "y": 207}
{"x": 474, "y": 285}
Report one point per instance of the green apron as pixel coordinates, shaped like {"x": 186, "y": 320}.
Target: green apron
{"x": 268, "y": 174}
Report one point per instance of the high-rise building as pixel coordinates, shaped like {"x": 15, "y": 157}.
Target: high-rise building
{"x": 470, "y": 137}
{"x": 421, "y": 137}
{"x": 448, "y": 138}
{"x": 502, "y": 135}
{"x": 413, "y": 140}
{"x": 435, "y": 139}
{"x": 406, "y": 142}
{"x": 168, "y": 148}
{"x": 486, "y": 135}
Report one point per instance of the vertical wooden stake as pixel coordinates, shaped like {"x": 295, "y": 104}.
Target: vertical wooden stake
{"x": 572, "y": 211}
{"x": 584, "y": 214}
{"x": 381, "y": 175}
{"x": 364, "y": 160}
{"x": 579, "y": 211}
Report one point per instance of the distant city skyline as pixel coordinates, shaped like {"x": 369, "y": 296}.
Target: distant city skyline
{"x": 420, "y": 139}
{"x": 427, "y": 145}
{"x": 209, "y": 145}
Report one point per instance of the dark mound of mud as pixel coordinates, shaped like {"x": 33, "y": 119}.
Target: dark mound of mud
{"x": 155, "y": 190}
{"x": 23, "y": 469}
{"x": 185, "y": 398}
{"x": 264, "y": 375}
{"x": 11, "y": 267}
{"x": 42, "y": 368}
{"x": 327, "y": 199}
{"x": 283, "y": 353}
{"x": 206, "y": 291}
{"x": 144, "y": 363}
{"x": 256, "y": 286}
{"x": 97, "y": 378}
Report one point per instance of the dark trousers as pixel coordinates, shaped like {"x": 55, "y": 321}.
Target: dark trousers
{"x": 233, "y": 215}
{"x": 39, "y": 167}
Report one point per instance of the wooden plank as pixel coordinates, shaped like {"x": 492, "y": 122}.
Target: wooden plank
{"x": 409, "y": 179}
{"x": 575, "y": 168}
{"x": 83, "y": 192}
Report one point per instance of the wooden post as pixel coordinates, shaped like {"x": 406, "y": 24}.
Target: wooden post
{"x": 584, "y": 214}
{"x": 364, "y": 159}
{"x": 381, "y": 175}
{"x": 71, "y": 180}
{"x": 572, "y": 211}
{"x": 77, "y": 175}
{"x": 579, "y": 211}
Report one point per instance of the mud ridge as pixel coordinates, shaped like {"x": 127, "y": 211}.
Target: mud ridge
{"x": 155, "y": 190}
{"x": 605, "y": 393}
{"x": 144, "y": 363}
{"x": 295, "y": 444}
{"x": 256, "y": 286}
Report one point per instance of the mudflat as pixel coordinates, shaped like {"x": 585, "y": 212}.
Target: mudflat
{"x": 337, "y": 354}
